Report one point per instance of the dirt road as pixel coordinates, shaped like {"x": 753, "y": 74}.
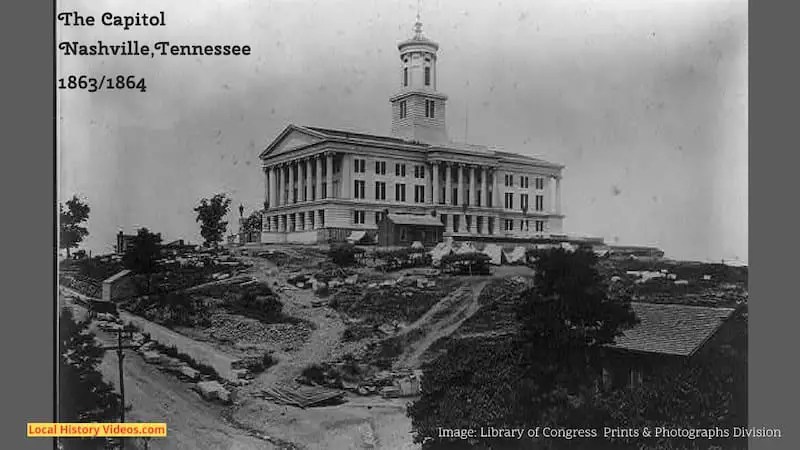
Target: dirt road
{"x": 155, "y": 396}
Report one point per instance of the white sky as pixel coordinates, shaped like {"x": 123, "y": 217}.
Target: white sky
{"x": 645, "y": 103}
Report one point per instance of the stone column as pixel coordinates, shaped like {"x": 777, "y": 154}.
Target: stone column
{"x": 272, "y": 187}
{"x": 267, "y": 190}
{"x": 448, "y": 183}
{"x": 484, "y": 191}
{"x": 435, "y": 180}
{"x": 496, "y": 187}
{"x": 461, "y": 186}
{"x": 280, "y": 180}
{"x": 347, "y": 178}
{"x": 558, "y": 195}
{"x": 429, "y": 183}
{"x": 308, "y": 180}
{"x": 473, "y": 194}
{"x": 292, "y": 180}
{"x": 329, "y": 174}
{"x": 318, "y": 160}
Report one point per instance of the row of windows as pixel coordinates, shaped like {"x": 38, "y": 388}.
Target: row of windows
{"x": 430, "y": 107}
{"x": 508, "y": 224}
{"x": 523, "y": 200}
{"x": 293, "y": 222}
{"x": 380, "y": 191}
{"x": 524, "y": 182}
{"x": 524, "y": 225}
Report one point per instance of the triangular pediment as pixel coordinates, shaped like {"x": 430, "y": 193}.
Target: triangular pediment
{"x": 291, "y": 137}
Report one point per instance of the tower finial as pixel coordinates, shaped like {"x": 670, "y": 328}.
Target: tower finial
{"x": 418, "y": 23}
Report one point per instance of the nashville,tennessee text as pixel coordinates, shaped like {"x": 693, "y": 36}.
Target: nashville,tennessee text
{"x": 162, "y": 48}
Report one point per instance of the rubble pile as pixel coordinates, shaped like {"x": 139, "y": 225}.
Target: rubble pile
{"x": 234, "y": 328}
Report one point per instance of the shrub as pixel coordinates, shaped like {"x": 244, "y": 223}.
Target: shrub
{"x": 344, "y": 254}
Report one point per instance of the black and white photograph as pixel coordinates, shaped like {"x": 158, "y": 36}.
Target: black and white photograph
{"x": 402, "y": 225}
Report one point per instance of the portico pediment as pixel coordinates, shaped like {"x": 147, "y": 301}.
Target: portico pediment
{"x": 292, "y": 137}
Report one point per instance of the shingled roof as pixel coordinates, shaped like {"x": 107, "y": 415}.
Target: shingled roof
{"x": 677, "y": 330}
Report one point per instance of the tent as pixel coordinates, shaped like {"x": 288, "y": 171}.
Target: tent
{"x": 441, "y": 249}
{"x": 466, "y": 247}
{"x": 417, "y": 244}
{"x": 356, "y": 237}
{"x": 495, "y": 252}
{"x": 517, "y": 256}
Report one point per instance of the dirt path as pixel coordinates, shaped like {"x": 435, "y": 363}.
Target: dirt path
{"x": 328, "y": 327}
{"x": 154, "y": 396}
{"x": 440, "y": 321}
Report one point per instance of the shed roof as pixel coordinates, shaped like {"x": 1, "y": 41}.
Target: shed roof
{"x": 678, "y": 330}
{"x": 117, "y": 276}
{"x": 415, "y": 219}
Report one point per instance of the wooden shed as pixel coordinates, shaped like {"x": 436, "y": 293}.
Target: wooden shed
{"x": 404, "y": 229}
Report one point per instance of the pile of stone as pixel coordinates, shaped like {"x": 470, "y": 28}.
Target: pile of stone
{"x": 234, "y": 328}
{"x": 213, "y": 391}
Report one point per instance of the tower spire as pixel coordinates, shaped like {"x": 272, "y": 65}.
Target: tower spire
{"x": 418, "y": 24}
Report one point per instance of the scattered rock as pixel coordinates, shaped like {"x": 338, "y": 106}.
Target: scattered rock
{"x": 213, "y": 390}
{"x": 152, "y": 357}
{"x": 189, "y": 373}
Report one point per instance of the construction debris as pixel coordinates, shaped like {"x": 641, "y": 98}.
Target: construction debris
{"x": 213, "y": 390}
{"x": 303, "y": 396}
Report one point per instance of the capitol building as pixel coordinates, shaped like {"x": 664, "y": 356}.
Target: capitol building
{"x": 324, "y": 184}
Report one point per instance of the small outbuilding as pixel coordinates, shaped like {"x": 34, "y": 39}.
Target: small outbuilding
{"x": 404, "y": 229}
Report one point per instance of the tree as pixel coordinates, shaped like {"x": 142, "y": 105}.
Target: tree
{"x": 71, "y": 216}
{"x": 253, "y": 223}
{"x": 142, "y": 255}
{"x": 541, "y": 376}
{"x": 210, "y": 214}
{"x": 83, "y": 394}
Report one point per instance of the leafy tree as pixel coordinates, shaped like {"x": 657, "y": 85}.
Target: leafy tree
{"x": 71, "y": 216}
{"x": 83, "y": 394}
{"x": 210, "y": 214}
{"x": 142, "y": 255}
{"x": 542, "y": 376}
{"x": 253, "y": 223}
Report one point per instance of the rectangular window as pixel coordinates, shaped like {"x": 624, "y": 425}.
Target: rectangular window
{"x": 419, "y": 171}
{"x": 455, "y": 223}
{"x": 540, "y": 183}
{"x": 380, "y": 167}
{"x": 539, "y": 202}
{"x": 400, "y": 192}
{"x": 490, "y": 225}
{"x": 405, "y": 76}
{"x": 403, "y": 110}
{"x": 359, "y": 217}
{"x": 430, "y": 106}
{"x": 380, "y": 190}
{"x": 419, "y": 194}
{"x": 427, "y": 76}
{"x": 378, "y": 217}
{"x": 478, "y": 198}
{"x": 454, "y": 197}
{"x": 523, "y": 201}
{"x": 322, "y": 218}
{"x": 359, "y": 191}
{"x": 509, "y": 198}
{"x": 360, "y": 165}
{"x": 324, "y": 190}
{"x": 400, "y": 170}
{"x": 539, "y": 226}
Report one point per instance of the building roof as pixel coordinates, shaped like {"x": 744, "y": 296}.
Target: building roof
{"x": 677, "y": 330}
{"x": 415, "y": 219}
{"x": 117, "y": 276}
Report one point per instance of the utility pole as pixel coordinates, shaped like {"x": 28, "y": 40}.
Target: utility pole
{"x": 120, "y": 356}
